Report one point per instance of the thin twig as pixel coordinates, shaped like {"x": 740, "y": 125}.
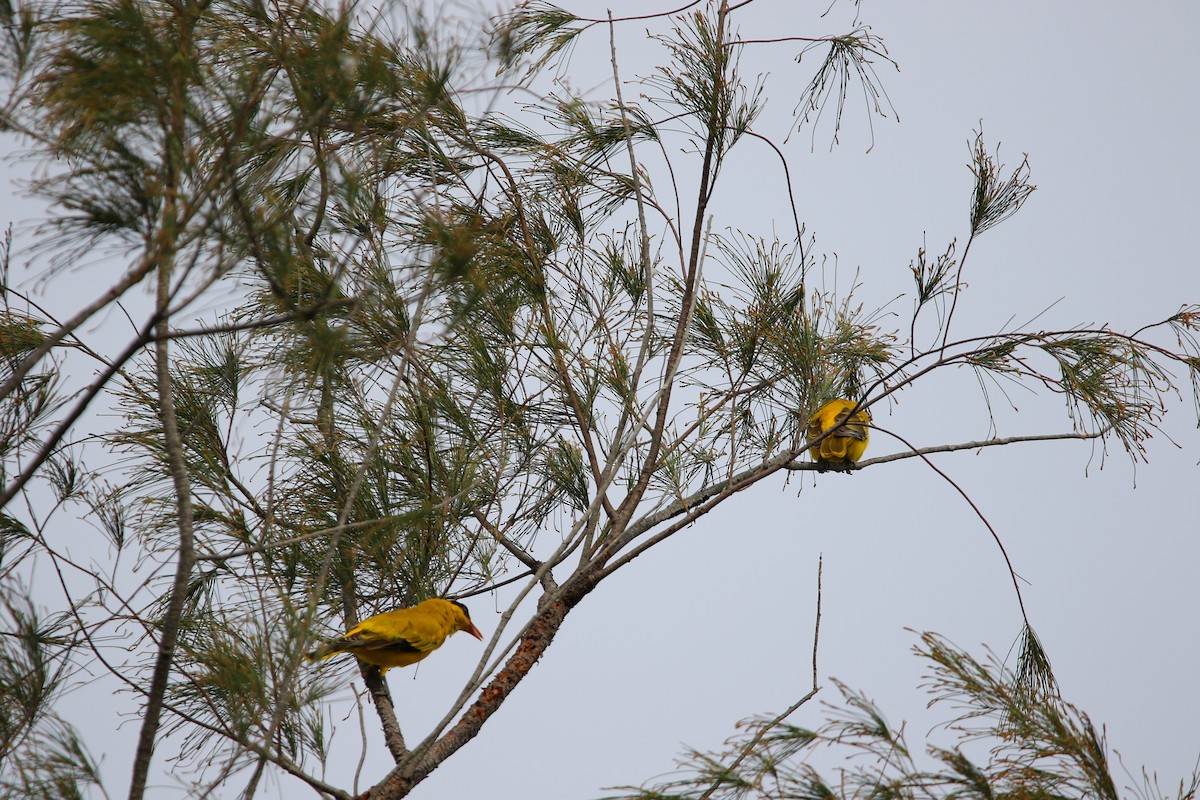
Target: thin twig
{"x": 979, "y": 513}
{"x": 951, "y": 448}
{"x": 765, "y": 728}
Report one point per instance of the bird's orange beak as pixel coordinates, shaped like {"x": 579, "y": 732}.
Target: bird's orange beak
{"x": 474, "y": 631}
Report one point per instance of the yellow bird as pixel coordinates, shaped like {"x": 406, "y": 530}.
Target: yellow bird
{"x": 848, "y": 441}
{"x": 401, "y": 637}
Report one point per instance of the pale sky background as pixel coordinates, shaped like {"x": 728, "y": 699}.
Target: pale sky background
{"x": 716, "y": 624}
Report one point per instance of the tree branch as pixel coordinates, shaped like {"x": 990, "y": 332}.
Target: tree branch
{"x": 165, "y": 249}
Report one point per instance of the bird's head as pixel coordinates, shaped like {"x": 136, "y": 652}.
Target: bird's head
{"x": 462, "y": 620}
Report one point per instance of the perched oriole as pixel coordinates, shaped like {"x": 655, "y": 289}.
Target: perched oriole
{"x": 401, "y": 637}
{"x": 848, "y": 441}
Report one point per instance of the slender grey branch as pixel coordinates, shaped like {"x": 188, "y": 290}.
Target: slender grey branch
{"x": 704, "y": 499}
{"x": 178, "y": 470}
{"x": 950, "y": 448}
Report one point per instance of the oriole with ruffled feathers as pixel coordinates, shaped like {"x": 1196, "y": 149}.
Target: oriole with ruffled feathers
{"x": 848, "y": 440}
{"x": 401, "y": 637}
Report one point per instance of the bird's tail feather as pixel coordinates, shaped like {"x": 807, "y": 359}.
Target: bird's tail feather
{"x": 322, "y": 653}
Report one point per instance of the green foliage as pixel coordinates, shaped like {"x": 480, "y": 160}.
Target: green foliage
{"x": 1011, "y": 740}
{"x": 36, "y": 396}
{"x": 849, "y": 59}
{"x": 531, "y": 27}
{"x": 995, "y": 200}
{"x": 781, "y": 352}
{"x": 41, "y": 754}
{"x": 235, "y": 687}
{"x": 702, "y": 81}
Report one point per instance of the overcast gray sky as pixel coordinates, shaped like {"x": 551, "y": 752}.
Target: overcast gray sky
{"x": 716, "y": 624}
